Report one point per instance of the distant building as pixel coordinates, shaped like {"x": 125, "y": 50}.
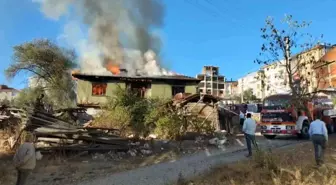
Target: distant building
{"x": 251, "y": 81}
{"x": 231, "y": 88}
{"x": 7, "y": 93}
{"x": 325, "y": 70}
{"x": 273, "y": 78}
{"x": 211, "y": 81}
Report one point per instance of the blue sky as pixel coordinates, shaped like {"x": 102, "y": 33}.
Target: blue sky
{"x": 195, "y": 34}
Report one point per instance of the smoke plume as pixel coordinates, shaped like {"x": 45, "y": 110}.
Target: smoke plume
{"x": 112, "y": 26}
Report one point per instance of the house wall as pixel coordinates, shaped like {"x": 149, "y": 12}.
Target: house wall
{"x": 161, "y": 90}
{"x": 7, "y": 95}
{"x": 158, "y": 90}
{"x": 191, "y": 89}
{"x": 84, "y": 92}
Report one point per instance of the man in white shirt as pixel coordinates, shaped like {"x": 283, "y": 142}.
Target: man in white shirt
{"x": 300, "y": 121}
{"x": 241, "y": 118}
{"x": 319, "y": 135}
{"x": 249, "y": 129}
{"x": 25, "y": 159}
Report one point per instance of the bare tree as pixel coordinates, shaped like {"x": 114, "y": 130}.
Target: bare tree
{"x": 279, "y": 45}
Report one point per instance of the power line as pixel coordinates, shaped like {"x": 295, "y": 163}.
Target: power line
{"x": 200, "y": 7}
{"x": 218, "y": 13}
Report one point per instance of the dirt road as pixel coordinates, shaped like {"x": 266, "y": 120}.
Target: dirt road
{"x": 187, "y": 167}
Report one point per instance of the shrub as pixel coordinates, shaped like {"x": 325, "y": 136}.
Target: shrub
{"x": 142, "y": 116}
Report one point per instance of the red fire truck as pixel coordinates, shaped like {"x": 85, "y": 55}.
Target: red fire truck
{"x": 279, "y": 117}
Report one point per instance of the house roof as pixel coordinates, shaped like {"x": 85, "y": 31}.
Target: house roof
{"x": 5, "y": 88}
{"x": 125, "y": 77}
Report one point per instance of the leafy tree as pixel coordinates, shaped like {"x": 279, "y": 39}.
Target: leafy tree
{"x": 248, "y": 95}
{"x": 277, "y": 51}
{"x": 50, "y": 66}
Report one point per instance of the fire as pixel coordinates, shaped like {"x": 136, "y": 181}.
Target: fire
{"x": 113, "y": 68}
{"x": 73, "y": 72}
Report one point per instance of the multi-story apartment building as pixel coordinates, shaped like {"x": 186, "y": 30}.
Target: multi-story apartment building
{"x": 251, "y": 81}
{"x": 211, "y": 81}
{"x": 231, "y": 88}
{"x": 325, "y": 70}
{"x": 273, "y": 78}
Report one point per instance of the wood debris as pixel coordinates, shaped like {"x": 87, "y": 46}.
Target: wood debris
{"x": 53, "y": 133}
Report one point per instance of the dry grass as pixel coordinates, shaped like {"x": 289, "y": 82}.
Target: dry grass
{"x": 291, "y": 166}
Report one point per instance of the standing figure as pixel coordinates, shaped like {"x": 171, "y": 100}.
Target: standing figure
{"x": 241, "y": 118}
{"x": 249, "y": 129}
{"x": 319, "y": 135}
{"x": 25, "y": 159}
{"x": 39, "y": 106}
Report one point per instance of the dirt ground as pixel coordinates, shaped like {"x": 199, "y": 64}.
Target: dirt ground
{"x": 295, "y": 165}
{"x": 58, "y": 169}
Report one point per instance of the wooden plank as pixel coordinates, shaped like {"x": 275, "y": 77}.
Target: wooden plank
{"x": 56, "y": 140}
{"x": 105, "y": 140}
{"x": 88, "y": 148}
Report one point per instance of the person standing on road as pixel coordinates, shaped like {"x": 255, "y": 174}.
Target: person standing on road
{"x": 300, "y": 120}
{"x": 319, "y": 135}
{"x": 249, "y": 129}
{"x": 25, "y": 159}
{"x": 241, "y": 118}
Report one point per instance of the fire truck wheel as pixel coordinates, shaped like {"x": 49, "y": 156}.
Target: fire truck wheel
{"x": 269, "y": 136}
{"x": 305, "y": 130}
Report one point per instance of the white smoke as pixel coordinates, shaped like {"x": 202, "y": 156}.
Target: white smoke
{"x": 111, "y": 26}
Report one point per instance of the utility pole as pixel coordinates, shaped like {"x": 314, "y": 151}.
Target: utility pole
{"x": 242, "y": 91}
{"x": 291, "y": 77}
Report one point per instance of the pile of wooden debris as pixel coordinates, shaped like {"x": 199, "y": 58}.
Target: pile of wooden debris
{"x": 54, "y": 133}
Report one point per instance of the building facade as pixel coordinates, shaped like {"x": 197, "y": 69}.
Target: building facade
{"x": 273, "y": 78}
{"x": 251, "y": 81}
{"x": 7, "y": 93}
{"x": 211, "y": 81}
{"x": 325, "y": 70}
{"x": 96, "y": 89}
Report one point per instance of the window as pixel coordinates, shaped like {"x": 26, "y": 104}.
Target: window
{"x": 201, "y": 90}
{"x": 177, "y": 89}
{"x": 99, "y": 89}
{"x": 220, "y": 86}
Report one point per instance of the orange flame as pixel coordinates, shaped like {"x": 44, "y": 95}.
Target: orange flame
{"x": 73, "y": 72}
{"x": 113, "y": 68}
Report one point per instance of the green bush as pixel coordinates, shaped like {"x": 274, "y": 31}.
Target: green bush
{"x": 117, "y": 118}
{"x": 142, "y": 116}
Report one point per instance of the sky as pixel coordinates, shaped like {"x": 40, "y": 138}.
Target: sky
{"x": 223, "y": 33}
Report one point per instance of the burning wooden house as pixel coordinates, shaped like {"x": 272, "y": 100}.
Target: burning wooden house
{"x": 95, "y": 89}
